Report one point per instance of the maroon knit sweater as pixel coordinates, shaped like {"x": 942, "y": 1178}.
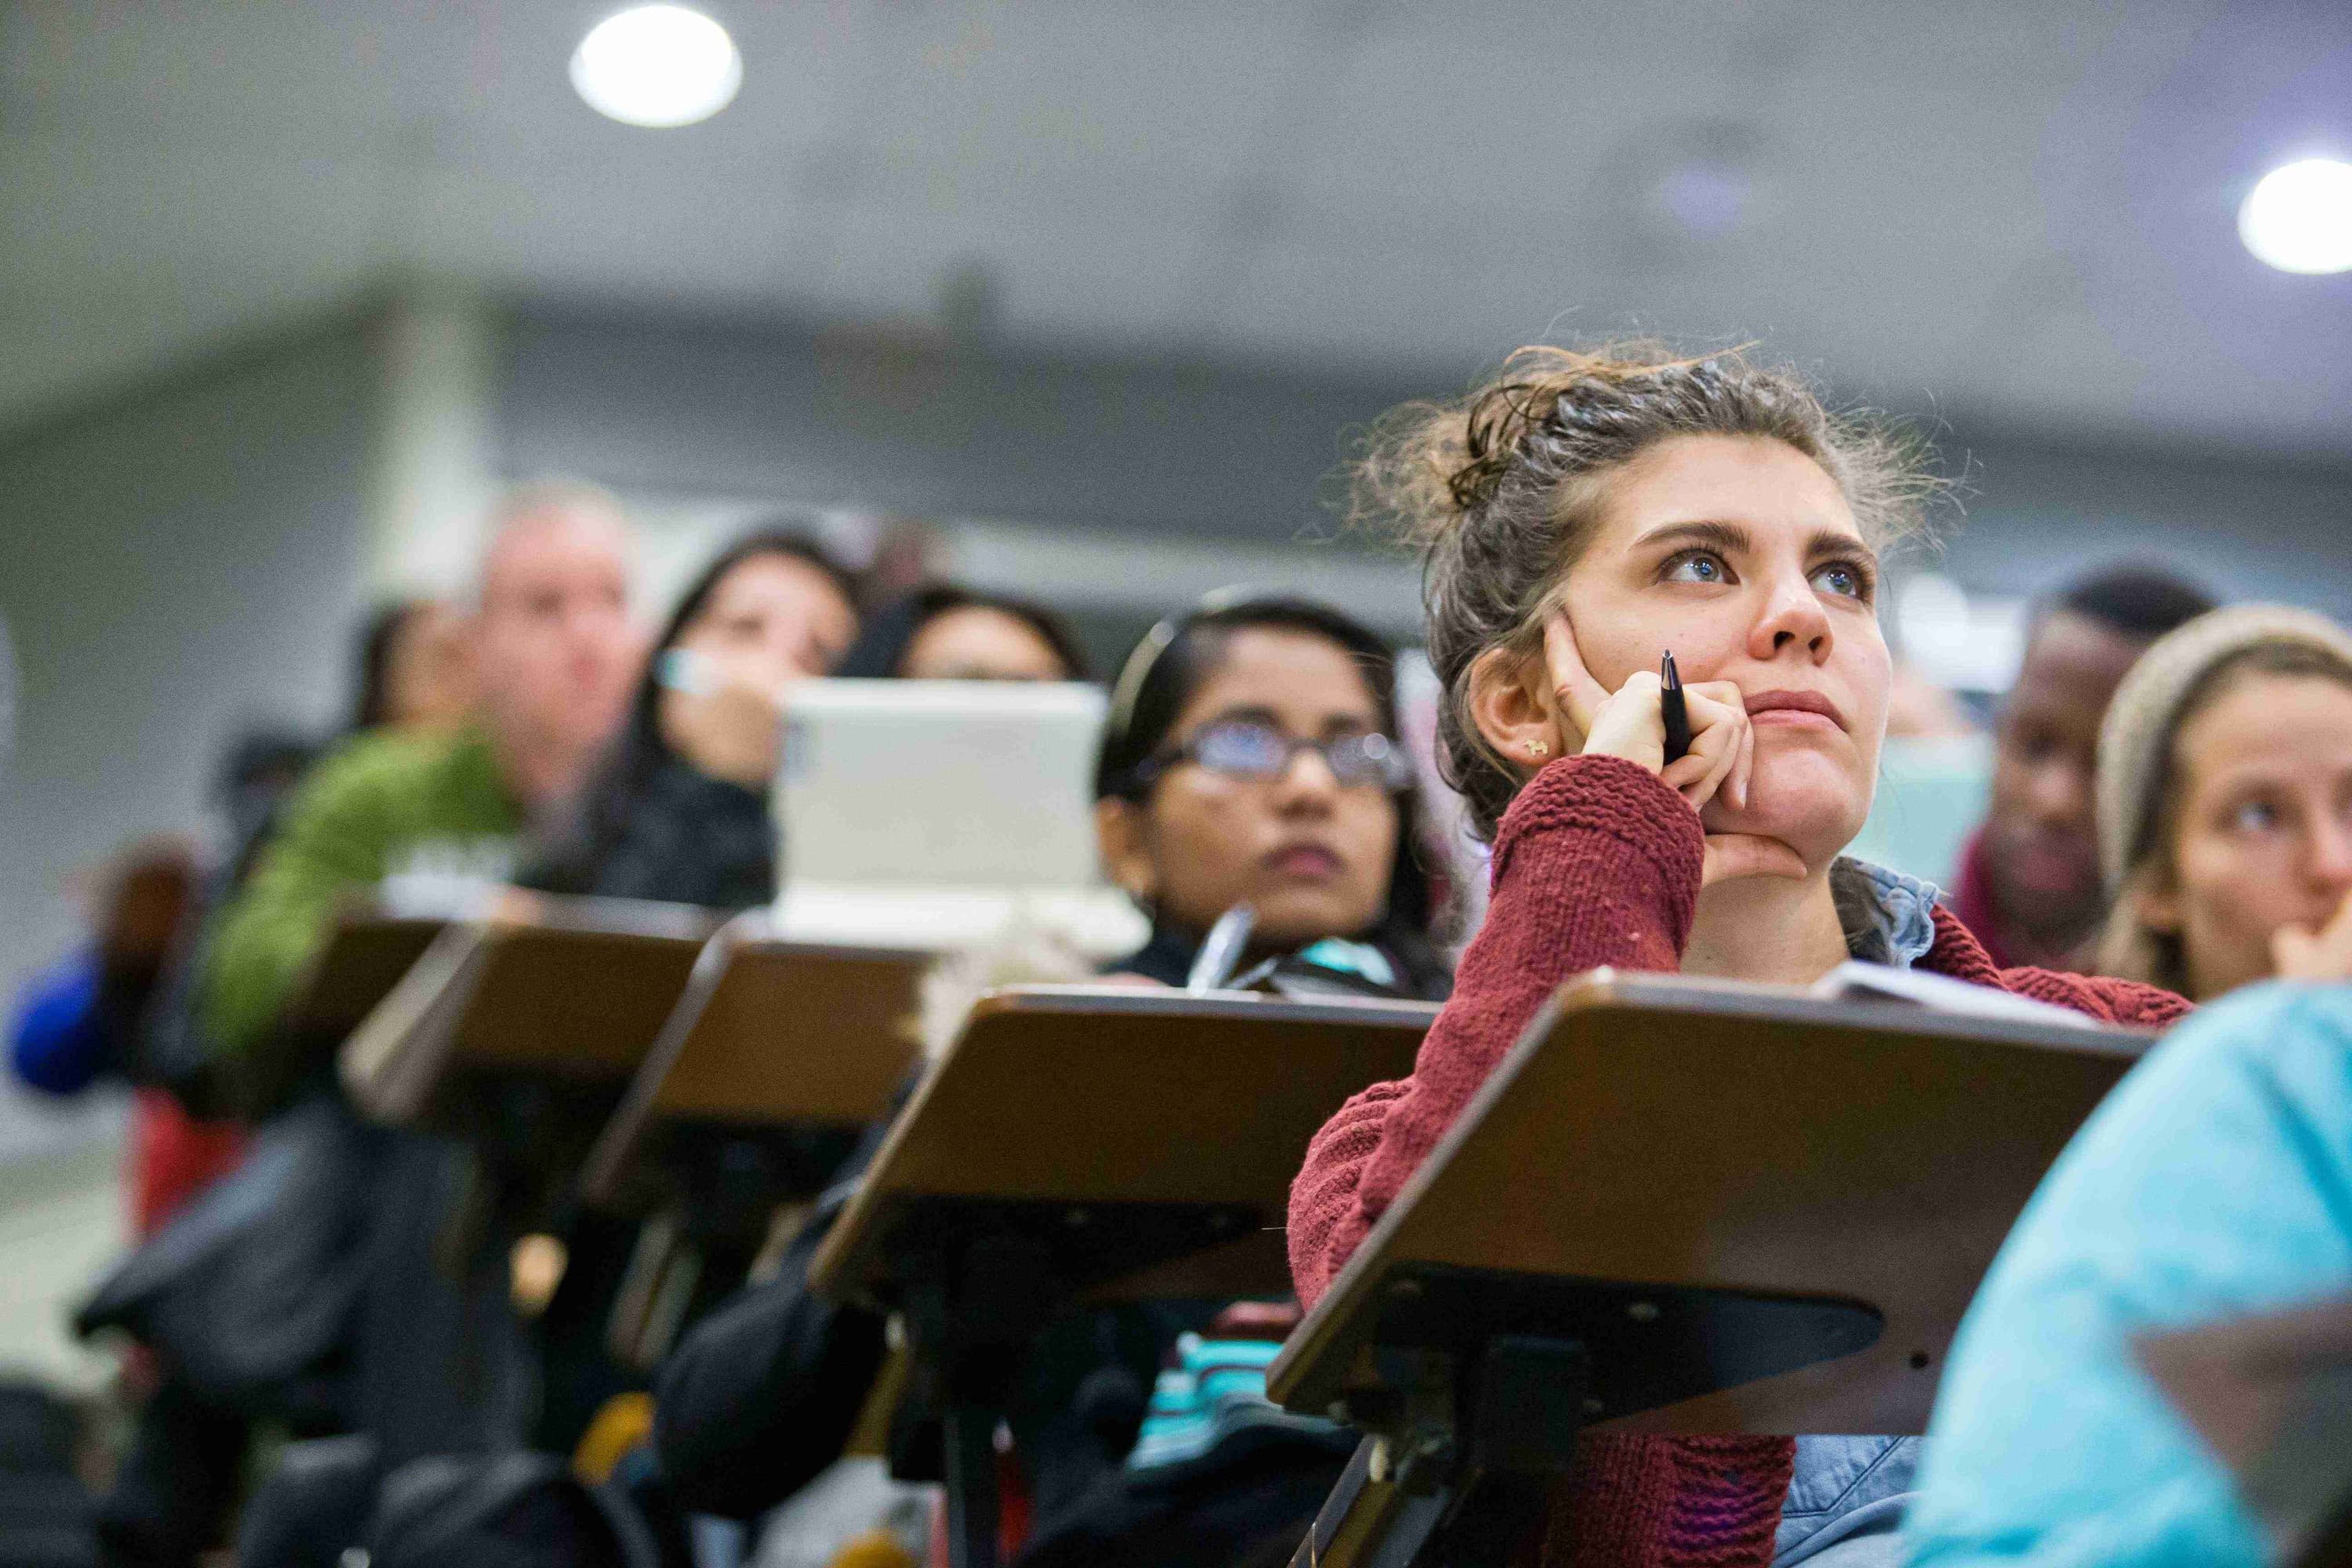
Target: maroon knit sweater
{"x": 1598, "y": 863}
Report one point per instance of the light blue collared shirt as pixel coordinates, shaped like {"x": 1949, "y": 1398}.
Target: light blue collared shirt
{"x": 1847, "y": 1496}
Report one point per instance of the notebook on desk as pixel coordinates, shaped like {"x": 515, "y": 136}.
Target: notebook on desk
{"x": 936, "y": 815}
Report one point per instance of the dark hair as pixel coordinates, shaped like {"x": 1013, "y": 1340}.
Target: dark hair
{"x": 260, "y": 771}
{"x": 1501, "y": 491}
{"x": 379, "y": 634}
{"x": 881, "y": 650}
{"x": 1176, "y": 658}
{"x": 599, "y": 818}
{"x": 641, "y": 733}
{"x": 2137, "y": 599}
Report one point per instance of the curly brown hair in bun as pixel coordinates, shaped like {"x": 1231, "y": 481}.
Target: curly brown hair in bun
{"x": 1500, "y": 491}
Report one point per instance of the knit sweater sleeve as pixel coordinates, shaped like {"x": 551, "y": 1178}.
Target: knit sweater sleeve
{"x": 1596, "y": 863}
{"x": 1960, "y": 954}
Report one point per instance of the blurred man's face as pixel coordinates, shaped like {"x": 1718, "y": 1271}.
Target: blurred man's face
{"x": 2042, "y": 850}
{"x": 558, "y": 653}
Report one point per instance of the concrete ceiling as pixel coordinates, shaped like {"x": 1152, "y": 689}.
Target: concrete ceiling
{"x": 2020, "y": 212}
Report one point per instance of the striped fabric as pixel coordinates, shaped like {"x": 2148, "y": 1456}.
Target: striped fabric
{"x": 1215, "y": 1390}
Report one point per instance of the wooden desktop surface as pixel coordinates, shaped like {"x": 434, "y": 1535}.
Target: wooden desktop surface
{"x": 1670, "y": 1133}
{"x": 770, "y": 1033}
{"x": 1120, "y": 1095}
{"x": 796, "y": 1033}
{"x": 362, "y": 960}
{"x": 576, "y": 996}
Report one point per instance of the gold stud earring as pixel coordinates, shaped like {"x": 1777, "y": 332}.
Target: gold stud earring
{"x": 1536, "y": 748}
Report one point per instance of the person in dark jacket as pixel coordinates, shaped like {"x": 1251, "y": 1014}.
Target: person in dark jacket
{"x": 1248, "y": 758}
{"x": 678, "y": 810}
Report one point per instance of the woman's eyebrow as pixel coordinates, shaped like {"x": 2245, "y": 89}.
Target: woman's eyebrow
{"x": 1830, "y": 541}
{"x": 1727, "y": 537}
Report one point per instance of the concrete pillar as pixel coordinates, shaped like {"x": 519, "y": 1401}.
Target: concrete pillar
{"x": 430, "y": 471}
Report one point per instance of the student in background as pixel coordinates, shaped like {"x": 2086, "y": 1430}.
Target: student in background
{"x": 86, "y": 1017}
{"x": 2028, "y": 881}
{"x": 948, "y": 633}
{"x": 2210, "y": 1186}
{"x": 181, "y": 1477}
{"x": 678, "y": 810}
{"x": 1579, "y": 514}
{"x": 1249, "y": 757}
{"x": 118, "y": 1007}
{"x": 2225, "y": 804}
{"x": 1203, "y": 801}
{"x": 555, "y": 653}
{"x": 418, "y": 1359}
{"x": 417, "y": 667}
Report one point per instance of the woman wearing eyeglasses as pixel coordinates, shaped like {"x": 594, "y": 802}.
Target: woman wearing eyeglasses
{"x": 1249, "y": 759}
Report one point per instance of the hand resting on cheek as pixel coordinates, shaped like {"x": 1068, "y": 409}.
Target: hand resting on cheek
{"x": 1630, "y": 723}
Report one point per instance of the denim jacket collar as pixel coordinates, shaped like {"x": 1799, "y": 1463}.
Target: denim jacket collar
{"x": 1887, "y": 916}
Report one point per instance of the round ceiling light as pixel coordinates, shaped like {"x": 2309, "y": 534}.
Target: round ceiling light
{"x": 2298, "y": 218}
{"x": 657, "y": 66}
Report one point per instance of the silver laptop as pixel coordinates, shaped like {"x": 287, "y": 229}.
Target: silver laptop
{"x": 936, "y": 815}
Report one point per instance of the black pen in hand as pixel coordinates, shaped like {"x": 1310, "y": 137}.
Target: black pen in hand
{"x": 1675, "y": 709}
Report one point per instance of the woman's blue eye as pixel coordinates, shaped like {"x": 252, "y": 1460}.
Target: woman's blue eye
{"x": 2255, "y": 816}
{"x": 1698, "y": 567}
{"x": 1840, "y": 580}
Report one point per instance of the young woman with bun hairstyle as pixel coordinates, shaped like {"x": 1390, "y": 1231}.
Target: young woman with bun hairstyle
{"x": 1578, "y": 515}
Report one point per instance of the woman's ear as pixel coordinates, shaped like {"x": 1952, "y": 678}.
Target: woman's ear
{"x": 1118, "y": 830}
{"x": 1510, "y": 702}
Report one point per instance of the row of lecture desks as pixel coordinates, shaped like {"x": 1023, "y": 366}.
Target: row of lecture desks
{"x": 1675, "y": 1207}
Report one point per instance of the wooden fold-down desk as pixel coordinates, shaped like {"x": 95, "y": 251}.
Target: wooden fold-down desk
{"x": 769, "y": 1039}
{"x": 1684, "y": 1208}
{"x": 775, "y": 1058}
{"x": 1096, "y": 1141}
{"x": 364, "y": 955}
{"x": 520, "y": 1035}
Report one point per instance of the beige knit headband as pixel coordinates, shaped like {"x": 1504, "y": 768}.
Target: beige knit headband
{"x": 2138, "y": 733}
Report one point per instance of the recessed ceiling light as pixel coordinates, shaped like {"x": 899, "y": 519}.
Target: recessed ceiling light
{"x": 1706, "y": 197}
{"x": 657, "y": 66}
{"x": 2298, "y": 218}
